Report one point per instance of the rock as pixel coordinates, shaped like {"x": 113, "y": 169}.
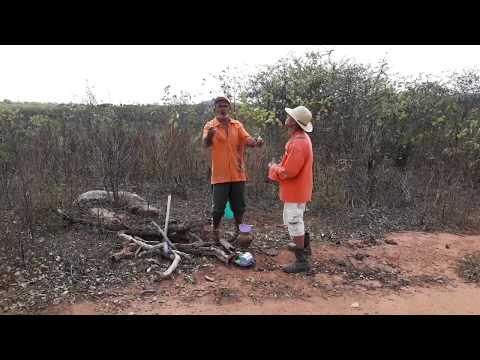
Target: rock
{"x": 208, "y": 278}
{"x": 341, "y": 263}
{"x": 358, "y": 265}
{"x": 354, "y": 243}
{"x": 102, "y": 195}
{"x": 386, "y": 268}
{"x": 189, "y": 278}
{"x": 391, "y": 242}
{"x": 355, "y": 305}
{"x": 145, "y": 210}
{"x": 371, "y": 284}
{"x": 447, "y": 246}
{"x": 360, "y": 257}
{"x": 270, "y": 252}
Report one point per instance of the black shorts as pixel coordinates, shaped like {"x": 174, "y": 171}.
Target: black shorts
{"x": 233, "y": 192}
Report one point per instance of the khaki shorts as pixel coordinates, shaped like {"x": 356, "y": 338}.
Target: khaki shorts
{"x": 293, "y": 218}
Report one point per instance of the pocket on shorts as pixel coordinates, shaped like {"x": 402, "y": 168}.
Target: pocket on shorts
{"x": 293, "y": 213}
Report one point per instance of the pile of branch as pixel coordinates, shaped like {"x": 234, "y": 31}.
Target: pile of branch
{"x": 180, "y": 241}
{"x": 135, "y": 245}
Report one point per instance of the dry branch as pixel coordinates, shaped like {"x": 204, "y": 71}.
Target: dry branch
{"x": 122, "y": 254}
{"x": 206, "y": 251}
{"x": 172, "y": 266}
{"x": 159, "y": 229}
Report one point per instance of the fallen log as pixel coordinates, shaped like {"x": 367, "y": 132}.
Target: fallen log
{"x": 144, "y": 210}
{"x": 194, "y": 237}
{"x": 105, "y": 226}
{"x": 229, "y": 247}
{"x": 195, "y": 224}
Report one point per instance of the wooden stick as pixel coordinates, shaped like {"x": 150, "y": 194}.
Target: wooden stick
{"x": 172, "y": 266}
{"x": 168, "y": 213}
{"x": 163, "y": 234}
{"x": 184, "y": 255}
{"x": 138, "y": 241}
{"x": 206, "y": 251}
{"x": 124, "y": 253}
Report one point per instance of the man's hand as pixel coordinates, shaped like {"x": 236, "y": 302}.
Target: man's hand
{"x": 208, "y": 139}
{"x": 259, "y": 141}
{"x": 251, "y": 142}
{"x": 211, "y": 132}
{"x": 267, "y": 178}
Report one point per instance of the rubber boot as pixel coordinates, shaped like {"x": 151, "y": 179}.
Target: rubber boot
{"x": 301, "y": 263}
{"x": 217, "y": 218}
{"x": 291, "y": 245}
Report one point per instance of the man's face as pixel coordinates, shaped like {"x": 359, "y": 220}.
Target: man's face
{"x": 290, "y": 123}
{"x": 222, "y": 109}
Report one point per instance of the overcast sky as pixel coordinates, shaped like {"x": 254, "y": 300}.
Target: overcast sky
{"x": 138, "y": 74}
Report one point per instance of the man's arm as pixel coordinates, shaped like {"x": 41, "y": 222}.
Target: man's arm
{"x": 294, "y": 160}
{"x": 251, "y": 142}
{"x": 248, "y": 140}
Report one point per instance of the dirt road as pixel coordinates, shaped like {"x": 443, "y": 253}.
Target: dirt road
{"x": 415, "y": 274}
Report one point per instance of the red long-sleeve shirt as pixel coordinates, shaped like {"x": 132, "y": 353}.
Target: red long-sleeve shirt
{"x": 295, "y": 172}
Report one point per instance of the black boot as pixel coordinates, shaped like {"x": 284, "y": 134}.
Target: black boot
{"x": 301, "y": 263}
{"x": 291, "y": 245}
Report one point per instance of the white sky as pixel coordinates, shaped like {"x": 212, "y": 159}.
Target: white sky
{"x": 138, "y": 74}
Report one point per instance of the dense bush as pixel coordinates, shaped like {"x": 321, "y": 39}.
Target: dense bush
{"x": 378, "y": 141}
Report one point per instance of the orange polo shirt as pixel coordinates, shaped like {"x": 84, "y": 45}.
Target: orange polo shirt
{"x": 295, "y": 172}
{"x": 228, "y": 150}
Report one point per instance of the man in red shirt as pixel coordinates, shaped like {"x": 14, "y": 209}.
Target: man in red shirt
{"x": 227, "y": 138}
{"x": 295, "y": 177}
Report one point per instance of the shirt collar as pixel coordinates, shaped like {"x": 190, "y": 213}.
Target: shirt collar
{"x": 216, "y": 122}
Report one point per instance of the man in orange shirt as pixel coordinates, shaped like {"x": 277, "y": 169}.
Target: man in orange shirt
{"x": 227, "y": 138}
{"x": 295, "y": 176}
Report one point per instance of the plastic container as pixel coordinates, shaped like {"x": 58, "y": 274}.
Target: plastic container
{"x": 228, "y": 211}
{"x": 244, "y": 260}
{"x": 245, "y": 236}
